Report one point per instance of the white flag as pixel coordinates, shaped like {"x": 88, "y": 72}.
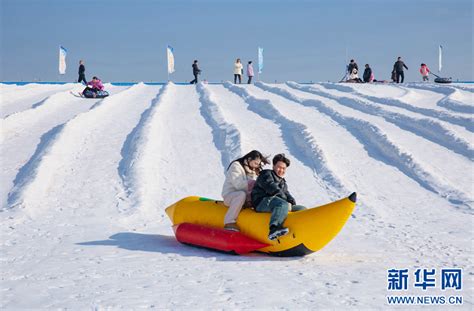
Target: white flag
{"x": 440, "y": 58}
{"x": 170, "y": 54}
{"x": 62, "y": 60}
{"x": 260, "y": 60}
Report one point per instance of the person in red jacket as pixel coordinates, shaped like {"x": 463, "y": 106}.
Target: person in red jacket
{"x": 425, "y": 71}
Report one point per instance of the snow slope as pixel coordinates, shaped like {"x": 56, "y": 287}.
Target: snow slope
{"x": 84, "y": 185}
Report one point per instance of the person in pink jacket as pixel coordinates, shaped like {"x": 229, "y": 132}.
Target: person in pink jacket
{"x": 93, "y": 86}
{"x": 250, "y": 72}
{"x": 96, "y": 84}
{"x": 425, "y": 71}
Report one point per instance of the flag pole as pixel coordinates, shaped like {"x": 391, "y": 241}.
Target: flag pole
{"x": 258, "y": 65}
{"x": 167, "y": 64}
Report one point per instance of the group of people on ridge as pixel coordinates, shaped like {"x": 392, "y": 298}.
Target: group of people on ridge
{"x": 398, "y": 74}
{"x": 238, "y": 71}
{"x": 247, "y": 184}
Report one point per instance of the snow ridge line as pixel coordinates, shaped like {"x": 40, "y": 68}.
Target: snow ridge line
{"x": 24, "y": 94}
{"x": 382, "y": 149}
{"x": 465, "y": 122}
{"x": 446, "y": 102}
{"x": 426, "y": 128}
{"x": 131, "y": 150}
{"x": 463, "y": 88}
{"x": 438, "y": 88}
{"x": 37, "y": 105}
{"x": 226, "y": 136}
{"x": 36, "y": 174}
{"x": 27, "y": 171}
{"x": 296, "y": 136}
{"x": 455, "y": 105}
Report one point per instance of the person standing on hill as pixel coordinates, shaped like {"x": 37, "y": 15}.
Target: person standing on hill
{"x": 196, "y": 72}
{"x": 82, "y": 72}
{"x": 425, "y": 71}
{"x": 238, "y": 67}
{"x": 398, "y": 67}
{"x": 250, "y": 72}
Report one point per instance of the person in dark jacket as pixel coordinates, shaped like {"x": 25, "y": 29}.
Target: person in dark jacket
{"x": 398, "y": 68}
{"x": 82, "y": 72}
{"x": 196, "y": 72}
{"x": 270, "y": 194}
{"x": 367, "y": 74}
{"x": 351, "y": 66}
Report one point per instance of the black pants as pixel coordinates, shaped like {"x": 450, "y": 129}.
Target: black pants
{"x": 237, "y": 76}
{"x": 250, "y": 80}
{"x": 195, "y": 79}
{"x": 400, "y": 74}
{"x": 82, "y": 77}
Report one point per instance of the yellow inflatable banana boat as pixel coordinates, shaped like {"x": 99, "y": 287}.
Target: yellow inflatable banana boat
{"x": 310, "y": 230}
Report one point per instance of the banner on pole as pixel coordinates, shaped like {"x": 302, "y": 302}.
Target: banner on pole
{"x": 62, "y": 60}
{"x": 260, "y": 60}
{"x": 440, "y": 58}
{"x": 169, "y": 52}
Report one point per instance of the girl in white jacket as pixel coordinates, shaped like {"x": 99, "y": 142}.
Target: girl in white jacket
{"x": 238, "y": 68}
{"x": 239, "y": 180}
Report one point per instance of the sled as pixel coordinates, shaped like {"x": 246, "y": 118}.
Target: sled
{"x": 310, "y": 230}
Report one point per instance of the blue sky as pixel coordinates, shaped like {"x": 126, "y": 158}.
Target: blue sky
{"x": 123, "y": 40}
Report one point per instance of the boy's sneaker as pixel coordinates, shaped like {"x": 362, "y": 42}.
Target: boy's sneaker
{"x": 232, "y": 227}
{"x": 277, "y": 231}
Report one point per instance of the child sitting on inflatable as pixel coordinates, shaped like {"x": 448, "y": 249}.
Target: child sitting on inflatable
{"x": 94, "y": 89}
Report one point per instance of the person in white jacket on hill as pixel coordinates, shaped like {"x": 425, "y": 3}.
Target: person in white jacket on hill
{"x": 238, "y": 68}
{"x": 239, "y": 180}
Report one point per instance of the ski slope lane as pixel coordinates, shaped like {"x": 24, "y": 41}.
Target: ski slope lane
{"x": 445, "y": 99}
{"x": 226, "y": 135}
{"x": 428, "y": 128}
{"x": 405, "y": 153}
{"x": 25, "y": 134}
{"x": 76, "y": 149}
{"x": 414, "y": 97}
{"x": 444, "y": 174}
{"x": 454, "y": 98}
{"x": 174, "y": 155}
{"x": 69, "y": 196}
{"x": 414, "y": 104}
{"x": 344, "y": 155}
{"x": 29, "y": 96}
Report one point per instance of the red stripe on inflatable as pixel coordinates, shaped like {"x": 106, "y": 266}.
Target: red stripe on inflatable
{"x": 216, "y": 238}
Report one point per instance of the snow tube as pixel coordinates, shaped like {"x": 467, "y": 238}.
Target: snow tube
{"x": 216, "y": 238}
{"x": 310, "y": 230}
{"x": 99, "y": 94}
{"x": 442, "y": 80}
